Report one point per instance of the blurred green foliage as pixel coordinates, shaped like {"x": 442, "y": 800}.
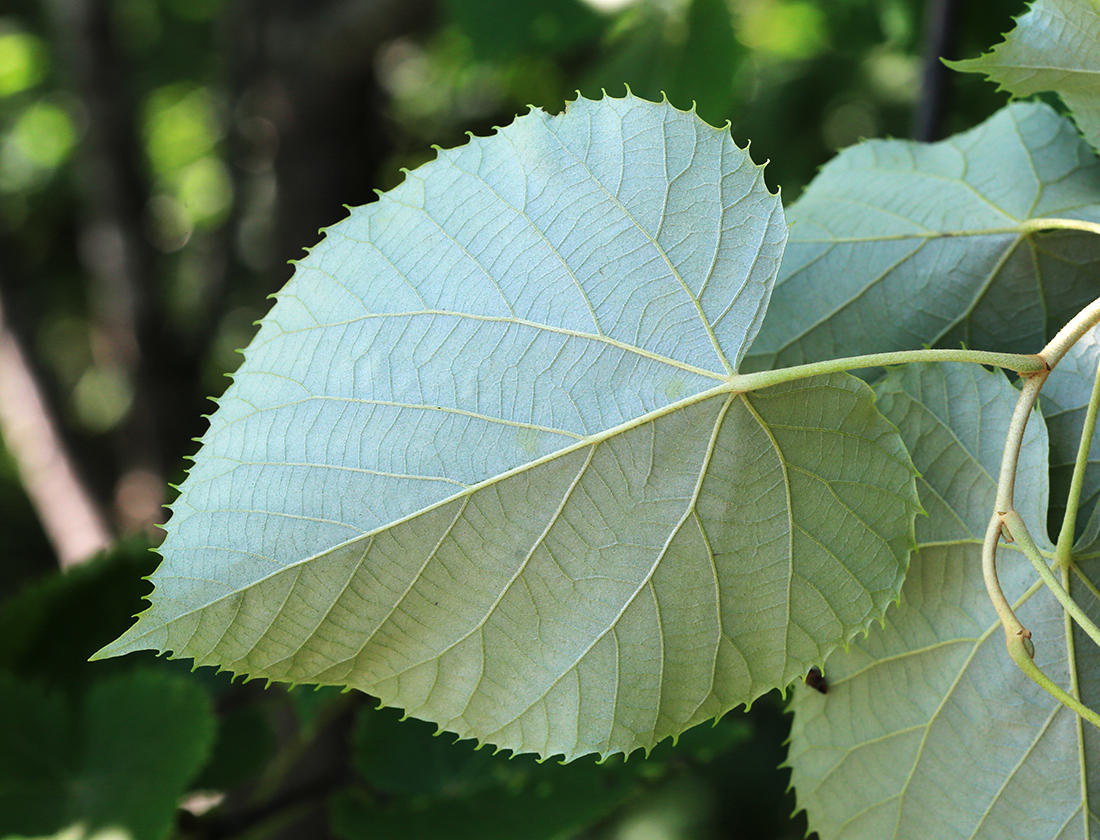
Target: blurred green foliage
{"x": 250, "y": 124}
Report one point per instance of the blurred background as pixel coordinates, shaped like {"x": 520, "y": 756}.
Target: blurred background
{"x": 161, "y": 162}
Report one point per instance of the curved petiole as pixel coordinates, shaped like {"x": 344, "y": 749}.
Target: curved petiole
{"x": 1041, "y": 225}
{"x": 1007, "y": 522}
{"x": 1015, "y": 526}
{"x": 1017, "y": 637}
{"x": 1005, "y": 613}
{"x": 1019, "y": 650}
{"x": 1006, "y": 480}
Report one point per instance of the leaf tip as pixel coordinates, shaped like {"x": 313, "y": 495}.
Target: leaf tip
{"x": 128, "y": 642}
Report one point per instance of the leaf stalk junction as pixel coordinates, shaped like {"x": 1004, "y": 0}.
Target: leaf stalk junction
{"x": 1005, "y": 521}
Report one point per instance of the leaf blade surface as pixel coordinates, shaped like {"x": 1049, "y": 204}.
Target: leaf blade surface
{"x": 487, "y": 460}
{"x": 928, "y": 728}
{"x": 896, "y": 245}
{"x": 1055, "y": 46}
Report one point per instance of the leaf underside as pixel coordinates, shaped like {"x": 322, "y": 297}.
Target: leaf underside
{"x": 1055, "y": 47}
{"x": 897, "y": 245}
{"x": 485, "y": 459}
{"x": 934, "y": 694}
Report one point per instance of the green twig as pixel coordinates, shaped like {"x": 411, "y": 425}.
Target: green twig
{"x": 1063, "y": 551}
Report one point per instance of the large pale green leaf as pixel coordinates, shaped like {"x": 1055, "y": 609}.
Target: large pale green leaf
{"x": 1055, "y": 46}
{"x": 487, "y": 459}
{"x": 928, "y": 728}
{"x": 1083, "y": 588}
{"x": 896, "y": 244}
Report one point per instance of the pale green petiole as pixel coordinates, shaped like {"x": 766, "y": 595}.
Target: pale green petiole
{"x": 1014, "y": 523}
{"x": 1006, "y": 480}
{"x": 1021, "y": 363}
{"x": 1007, "y": 522}
{"x": 1017, "y": 638}
{"x": 1038, "y": 225}
{"x": 1063, "y": 551}
{"x": 1005, "y": 613}
{"x": 1070, "y": 334}
{"x": 1017, "y": 649}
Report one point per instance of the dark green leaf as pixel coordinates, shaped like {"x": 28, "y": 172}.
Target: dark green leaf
{"x": 121, "y": 758}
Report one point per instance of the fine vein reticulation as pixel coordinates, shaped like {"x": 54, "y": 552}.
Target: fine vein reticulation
{"x": 488, "y": 460}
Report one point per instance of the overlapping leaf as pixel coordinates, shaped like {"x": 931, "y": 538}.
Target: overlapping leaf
{"x": 928, "y": 729}
{"x": 487, "y": 460}
{"x": 1055, "y": 46}
{"x": 896, "y": 245}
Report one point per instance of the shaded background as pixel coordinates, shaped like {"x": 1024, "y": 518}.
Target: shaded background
{"x": 161, "y": 162}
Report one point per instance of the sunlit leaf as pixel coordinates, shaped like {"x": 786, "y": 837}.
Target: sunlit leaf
{"x": 929, "y": 729}
{"x": 897, "y": 244}
{"x": 1055, "y": 46}
{"x": 23, "y": 62}
{"x": 487, "y": 458}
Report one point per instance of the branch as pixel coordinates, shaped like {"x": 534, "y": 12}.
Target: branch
{"x": 71, "y": 520}
{"x": 939, "y": 37}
